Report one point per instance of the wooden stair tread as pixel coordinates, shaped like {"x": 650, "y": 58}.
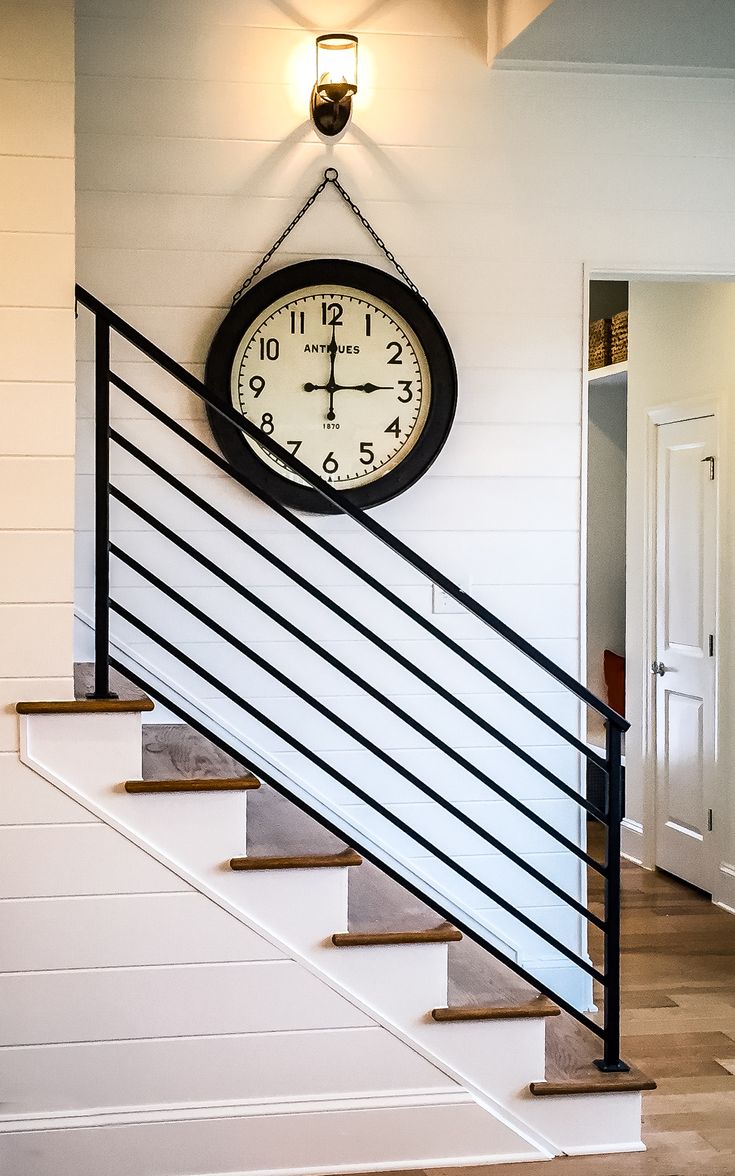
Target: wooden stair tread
{"x": 594, "y": 1082}
{"x": 86, "y": 706}
{"x": 540, "y": 1007}
{"x": 215, "y": 784}
{"x": 570, "y": 1069}
{"x": 304, "y": 861}
{"x": 442, "y": 934}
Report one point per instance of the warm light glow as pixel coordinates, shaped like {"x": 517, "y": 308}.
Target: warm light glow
{"x": 336, "y": 66}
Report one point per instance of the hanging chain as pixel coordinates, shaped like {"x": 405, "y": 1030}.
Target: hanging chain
{"x": 331, "y": 176}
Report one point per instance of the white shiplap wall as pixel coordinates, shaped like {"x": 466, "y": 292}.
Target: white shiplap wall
{"x": 493, "y": 188}
{"x": 36, "y": 356}
{"x": 130, "y": 1003}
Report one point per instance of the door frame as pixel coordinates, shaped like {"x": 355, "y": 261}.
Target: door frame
{"x": 638, "y": 836}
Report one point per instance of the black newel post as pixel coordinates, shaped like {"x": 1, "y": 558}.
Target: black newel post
{"x": 102, "y": 511}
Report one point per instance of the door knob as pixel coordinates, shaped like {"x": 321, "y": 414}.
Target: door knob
{"x": 658, "y": 668}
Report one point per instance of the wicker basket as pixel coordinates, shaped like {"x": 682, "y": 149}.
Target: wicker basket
{"x": 619, "y": 346}
{"x": 600, "y": 343}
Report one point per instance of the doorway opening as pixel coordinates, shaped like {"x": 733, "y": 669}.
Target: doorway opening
{"x": 657, "y": 580}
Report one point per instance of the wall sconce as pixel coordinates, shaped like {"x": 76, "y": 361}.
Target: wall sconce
{"x": 336, "y": 82}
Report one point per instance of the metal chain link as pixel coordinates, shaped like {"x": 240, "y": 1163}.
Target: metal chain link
{"x": 331, "y": 176}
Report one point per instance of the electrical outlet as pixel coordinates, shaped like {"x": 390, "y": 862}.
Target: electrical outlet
{"x": 441, "y": 602}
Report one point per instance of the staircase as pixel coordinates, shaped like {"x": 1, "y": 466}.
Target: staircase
{"x": 429, "y": 921}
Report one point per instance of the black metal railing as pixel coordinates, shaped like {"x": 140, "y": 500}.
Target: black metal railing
{"x": 608, "y": 816}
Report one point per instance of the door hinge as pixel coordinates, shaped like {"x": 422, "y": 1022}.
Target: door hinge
{"x": 711, "y": 645}
{"x": 711, "y": 461}
{"x": 709, "y": 820}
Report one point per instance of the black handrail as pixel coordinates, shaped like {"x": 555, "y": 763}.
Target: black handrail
{"x": 126, "y": 331}
{"x": 106, "y": 321}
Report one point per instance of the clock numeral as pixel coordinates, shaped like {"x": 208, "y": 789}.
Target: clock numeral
{"x": 394, "y": 427}
{"x": 397, "y": 353}
{"x": 335, "y": 310}
{"x": 406, "y": 385}
{"x": 330, "y": 465}
{"x": 298, "y": 322}
{"x": 256, "y": 385}
{"x": 269, "y": 348}
{"x": 294, "y": 446}
{"x": 368, "y": 453}
{"x": 368, "y": 324}
{"x": 267, "y": 423}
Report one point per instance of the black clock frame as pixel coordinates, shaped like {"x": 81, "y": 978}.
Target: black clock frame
{"x": 364, "y": 279}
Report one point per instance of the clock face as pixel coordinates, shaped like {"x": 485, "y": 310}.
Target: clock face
{"x": 346, "y": 369}
{"x": 339, "y": 379}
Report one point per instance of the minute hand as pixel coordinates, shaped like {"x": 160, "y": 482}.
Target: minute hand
{"x": 349, "y": 387}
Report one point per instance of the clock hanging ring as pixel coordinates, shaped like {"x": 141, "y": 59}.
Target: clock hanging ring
{"x": 347, "y": 369}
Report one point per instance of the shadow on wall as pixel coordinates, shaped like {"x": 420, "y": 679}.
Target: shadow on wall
{"x": 469, "y": 16}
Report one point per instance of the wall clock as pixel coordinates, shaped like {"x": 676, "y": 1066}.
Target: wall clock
{"x": 347, "y": 368}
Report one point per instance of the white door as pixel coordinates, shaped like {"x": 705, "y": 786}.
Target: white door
{"x": 684, "y": 656}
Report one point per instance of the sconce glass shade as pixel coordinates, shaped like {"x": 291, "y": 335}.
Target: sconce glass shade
{"x": 336, "y": 82}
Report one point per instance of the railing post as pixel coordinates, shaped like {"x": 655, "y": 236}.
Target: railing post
{"x": 612, "y": 1062}
{"x": 101, "y": 510}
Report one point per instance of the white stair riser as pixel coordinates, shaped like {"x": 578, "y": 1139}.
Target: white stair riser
{"x": 401, "y": 982}
{"x": 302, "y": 908}
{"x": 498, "y": 1056}
{"x": 90, "y": 750}
{"x": 583, "y": 1124}
{"x": 198, "y": 829}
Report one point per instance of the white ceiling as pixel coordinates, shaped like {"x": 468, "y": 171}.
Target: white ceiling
{"x": 667, "y": 36}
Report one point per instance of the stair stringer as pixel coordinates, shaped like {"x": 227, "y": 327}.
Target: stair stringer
{"x": 299, "y": 910}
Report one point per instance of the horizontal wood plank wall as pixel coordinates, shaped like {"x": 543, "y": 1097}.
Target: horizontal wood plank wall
{"x": 36, "y": 357}
{"x": 493, "y": 188}
{"x": 123, "y": 989}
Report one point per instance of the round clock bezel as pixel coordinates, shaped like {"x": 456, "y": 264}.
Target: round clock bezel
{"x": 364, "y": 280}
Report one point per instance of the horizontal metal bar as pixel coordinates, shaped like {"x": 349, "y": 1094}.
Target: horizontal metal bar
{"x": 355, "y": 839}
{"x": 354, "y": 677}
{"x": 367, "y": 578}
{"x": 366, "y": 632}
{"x": 353, "y": 733}
{"x": 324, "y": 765}
{"x": 336, "y": 498}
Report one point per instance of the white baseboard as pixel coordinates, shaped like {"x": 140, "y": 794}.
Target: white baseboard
{"x": 189, "y": 1112}
{"x": 607, "y": 1149}
{"x": 724, "y": 892}
{"x": 324, "y": 1137}
{"x": 632, "y": 840}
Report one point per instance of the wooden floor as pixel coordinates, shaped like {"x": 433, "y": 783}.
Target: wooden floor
{"x": 679, "y": 1027}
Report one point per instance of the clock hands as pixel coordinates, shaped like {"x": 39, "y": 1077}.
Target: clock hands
{"x": 349, "y": 387}
{"x": 332, "y": 386}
